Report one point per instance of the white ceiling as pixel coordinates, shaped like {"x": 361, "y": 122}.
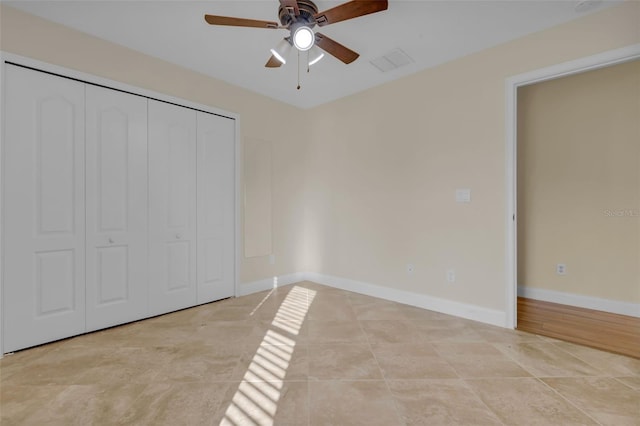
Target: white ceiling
{"x": 431, "y": 32}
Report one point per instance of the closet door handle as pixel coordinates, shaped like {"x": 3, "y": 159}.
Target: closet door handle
{"x": 178, "y": 236}
{"x": 110, "y": 240}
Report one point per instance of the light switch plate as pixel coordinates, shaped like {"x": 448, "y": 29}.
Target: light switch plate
{"x": 463, "y": 195}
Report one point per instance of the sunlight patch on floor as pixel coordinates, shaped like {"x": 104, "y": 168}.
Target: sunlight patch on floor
{"x": 256, "y": 400}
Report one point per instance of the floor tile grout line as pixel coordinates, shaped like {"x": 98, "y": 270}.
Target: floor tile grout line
{"x": 568, "y": 401}
{"x": 583, "y": 360}
{"x": 308, "y": 402}
{"x": 568, "y": 352}
{"x": 513, "y": 359}
{"x": 617, "y": 378}
{"x": 477, "y": 395}
{"x": 384, "y": 377}
{"x": 445, "y": 358}
{"x": 533, "y": 376}
{"x": 464, "y": 381}
{"x": 524, "y": 367}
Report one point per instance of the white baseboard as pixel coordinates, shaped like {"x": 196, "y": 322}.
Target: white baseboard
{"x": 587, "y": 302}
{"x": 463, "y": 310}
{"x": 269, "y": 283}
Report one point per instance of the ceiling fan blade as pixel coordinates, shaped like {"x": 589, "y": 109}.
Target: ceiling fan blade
{"x": 334, "y": 48}
{"x": 291, "y": 5}
{"x": 239, "y": 22}
{"x": 350, "y": 10}
{"x": 273, "y": 62}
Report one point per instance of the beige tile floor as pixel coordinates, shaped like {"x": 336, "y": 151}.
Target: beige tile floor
{"x": 312, "y": 355}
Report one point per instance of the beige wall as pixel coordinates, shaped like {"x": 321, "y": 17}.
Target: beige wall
{"x": 373, "y": 189}
{"x": 384, "y": 169}
{"x": 29, "y": 36}
{"x": 579, "y": 183}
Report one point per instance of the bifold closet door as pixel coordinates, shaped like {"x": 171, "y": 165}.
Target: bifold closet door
{"x": 216, "y": 207}
{"x": 44, "y": 291}
{"x": 172, "y": 207}
{"x": 116, "y": 207}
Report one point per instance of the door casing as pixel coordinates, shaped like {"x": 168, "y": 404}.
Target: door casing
{"x": 589, "y": 63}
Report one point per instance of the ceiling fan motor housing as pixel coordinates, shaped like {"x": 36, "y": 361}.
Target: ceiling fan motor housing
{"x": 306, "y": 17}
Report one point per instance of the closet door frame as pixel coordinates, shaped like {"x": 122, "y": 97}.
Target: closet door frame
{"x": 2, "y": 127}
{"x": 6, "y": 57}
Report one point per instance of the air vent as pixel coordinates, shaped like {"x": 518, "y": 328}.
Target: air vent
{"x": 392, "y": 60}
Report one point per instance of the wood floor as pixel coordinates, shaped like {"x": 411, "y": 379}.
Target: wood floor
{"x": 602, "y": 330}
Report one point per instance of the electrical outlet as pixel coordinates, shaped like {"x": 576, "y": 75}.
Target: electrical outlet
{"x": 409, "y": 268}
{"x": 561, "y": 269}
{"x": 451, "y": 275}
{"x": 272, "y": 259}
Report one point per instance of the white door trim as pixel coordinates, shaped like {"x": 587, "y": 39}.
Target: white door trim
{"x": 100, "y": 81}
{"x": 564, "y": 69}
{"x": 2, "y": 127}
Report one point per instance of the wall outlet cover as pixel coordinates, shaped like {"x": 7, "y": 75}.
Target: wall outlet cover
{"x": 561, "y": 269}
{"x": 451, "y": 275}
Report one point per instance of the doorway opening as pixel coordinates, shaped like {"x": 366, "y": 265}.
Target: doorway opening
{"x": 523, "y": 85}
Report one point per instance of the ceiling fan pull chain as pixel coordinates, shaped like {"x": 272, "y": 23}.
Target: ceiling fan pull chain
{"x": 308, "y": 66}
{"x": 298, "y": 69}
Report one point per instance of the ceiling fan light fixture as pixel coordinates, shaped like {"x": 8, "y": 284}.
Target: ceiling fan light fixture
{"x": 281, "y": 51}
{"x": 303, "y": 38}
{"x": 315, "y": 55}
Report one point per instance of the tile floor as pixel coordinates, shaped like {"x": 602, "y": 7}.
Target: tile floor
{"x": 311, "y": 355}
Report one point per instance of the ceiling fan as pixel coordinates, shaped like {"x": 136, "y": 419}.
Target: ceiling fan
{"x": 300, "y": 17}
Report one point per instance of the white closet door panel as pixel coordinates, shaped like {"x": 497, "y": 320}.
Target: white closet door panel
{"x": 172, "y": 207}
{"x": 216, "y": 207}
{"x": 116, "y": 169}
{"x": 44, "y": 292}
